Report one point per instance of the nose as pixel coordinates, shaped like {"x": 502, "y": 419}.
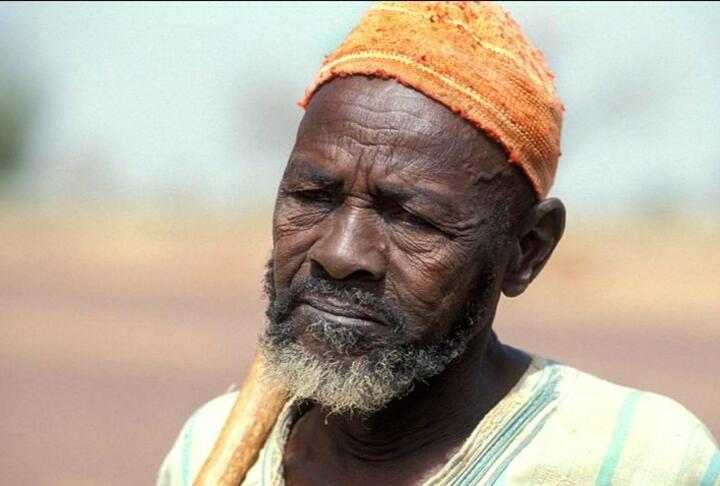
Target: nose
{"x": 350, "y": 247}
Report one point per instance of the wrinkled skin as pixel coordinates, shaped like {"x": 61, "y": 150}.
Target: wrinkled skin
{"x": 388, "y": 191}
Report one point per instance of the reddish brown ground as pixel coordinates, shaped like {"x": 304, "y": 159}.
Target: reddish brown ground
{"x": 114, "y": 327}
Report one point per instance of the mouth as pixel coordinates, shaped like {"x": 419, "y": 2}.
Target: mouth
{"x": 344, "y": 313}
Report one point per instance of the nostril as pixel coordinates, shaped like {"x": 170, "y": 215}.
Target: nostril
{"x": 318, "y": 271}
{"x": 361, "y": 275}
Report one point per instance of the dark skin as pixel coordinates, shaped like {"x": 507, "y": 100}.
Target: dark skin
{"x": 389, "y": 191}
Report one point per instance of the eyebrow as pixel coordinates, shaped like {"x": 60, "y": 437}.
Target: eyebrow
{"x": 317, "y": 175}
{"x": 418, "y": 195}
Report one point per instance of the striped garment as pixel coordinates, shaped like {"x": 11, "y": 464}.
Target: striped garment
{"x": 557, "y": 426}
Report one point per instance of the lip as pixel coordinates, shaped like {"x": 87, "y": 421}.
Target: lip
{"x": 343, "y": 310}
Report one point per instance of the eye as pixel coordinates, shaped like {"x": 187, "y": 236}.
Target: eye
{"x": 314, "y": 196}
{"x": 409, "y": 218}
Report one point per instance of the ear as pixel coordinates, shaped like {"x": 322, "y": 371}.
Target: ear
{"x": 539, "y": 233}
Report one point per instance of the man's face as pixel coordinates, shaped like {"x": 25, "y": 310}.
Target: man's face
{"x": 391, "y": 225}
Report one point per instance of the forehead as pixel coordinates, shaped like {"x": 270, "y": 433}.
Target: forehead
{"x": 359, "y": 122}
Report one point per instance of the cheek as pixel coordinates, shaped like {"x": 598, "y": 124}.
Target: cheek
{"x": 419, "y": 244}
{"x": 292, "y": 217}
{"x": 294, "y": 232}
{"x": 434, "y": 283}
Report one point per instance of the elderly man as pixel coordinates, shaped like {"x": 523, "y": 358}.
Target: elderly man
{"x": 414, "y": 196}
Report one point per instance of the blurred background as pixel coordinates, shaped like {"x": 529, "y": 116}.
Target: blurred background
{"x": 140, "y": 149}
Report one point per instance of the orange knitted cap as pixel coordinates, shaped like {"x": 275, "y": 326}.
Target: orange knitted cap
{"x": 473, "y": 58}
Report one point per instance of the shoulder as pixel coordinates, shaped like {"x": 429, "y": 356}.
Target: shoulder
{"x": 195, "y": 441}
{"x": 609, "y": 403}
{"x": 631, "y": 436}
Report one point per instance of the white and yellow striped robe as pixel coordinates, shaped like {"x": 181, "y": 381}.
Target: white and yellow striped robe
{"x": 558, "y": 426}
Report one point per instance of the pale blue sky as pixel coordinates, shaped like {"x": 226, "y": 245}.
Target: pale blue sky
{"x": 176, "y": 102}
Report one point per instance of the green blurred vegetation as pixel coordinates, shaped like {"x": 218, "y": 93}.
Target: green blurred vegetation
{"x": 17, "y": 113}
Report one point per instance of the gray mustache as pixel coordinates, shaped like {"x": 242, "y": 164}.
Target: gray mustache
{"x": 314, "y": 288}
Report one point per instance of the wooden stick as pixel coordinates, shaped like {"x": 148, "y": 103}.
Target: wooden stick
{"x": 243, "y": 435}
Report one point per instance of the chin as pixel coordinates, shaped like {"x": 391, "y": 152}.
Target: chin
{"x": 348, "y": 371}
{"x": 329, "y": 352}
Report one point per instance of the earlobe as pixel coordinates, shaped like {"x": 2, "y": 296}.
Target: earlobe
{"x": 539, "y": 234}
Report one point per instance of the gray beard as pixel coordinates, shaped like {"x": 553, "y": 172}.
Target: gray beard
{"x": 376, "y": 374}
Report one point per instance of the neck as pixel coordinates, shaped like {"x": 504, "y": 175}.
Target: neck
{"x": 440, "y": 413}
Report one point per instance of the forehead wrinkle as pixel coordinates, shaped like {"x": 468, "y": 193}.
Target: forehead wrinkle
{"x": 410, "y": 161}
{"x": 369, "y": 129}
{"x": 381, "y": 109}
{"x": 394, "y": 143}
{"x": 388, "y": 97}
{"x": 465, "y": 147}
{"x": 386, "y": 158}
{"x": 424, "y": 137}
{"x": 412, "y": 147}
